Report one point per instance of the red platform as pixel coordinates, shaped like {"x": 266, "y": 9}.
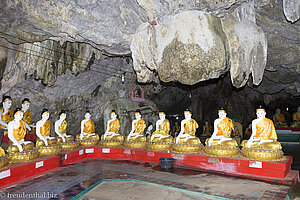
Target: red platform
{"x": 276, "y": 172}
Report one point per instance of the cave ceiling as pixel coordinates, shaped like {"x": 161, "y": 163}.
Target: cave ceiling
{"x": 185, "y": 41}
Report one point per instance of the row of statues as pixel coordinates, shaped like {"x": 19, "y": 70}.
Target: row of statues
{"x": 262, "y": 145}
{"x": 280, "y": 121}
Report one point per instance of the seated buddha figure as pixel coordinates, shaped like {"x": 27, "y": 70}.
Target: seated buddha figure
{"x": 279, "y": 119}
{"x": 296, "y": 119}
{"x": 221, "y": 143}
{"x": 263, "y": 144}
{"x": 207, "y": 129}
{"x": 87, "y": 136}
{"x": 46, "y": 144}
{"x": 112, "y": 137}
{"x": 186, "y": 141}
{"x": 20, "y": 150}
{"x": 27, "y": 115}
{"x": 3, "y": 159}
{"x": 60, "y": 126}
{"x": 136, "y": 137}
{"x": 6, "y": 113}
{"x": 161, "y": 138}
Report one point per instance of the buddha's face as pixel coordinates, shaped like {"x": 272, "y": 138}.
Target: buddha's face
{"x": 63, "y": 116}
{"x": 222, "y": 115}
{"x": 113, "y": 116}
{"x": 206, "y": 123}
{"x": 87, "y": 116}
{"x": 7, "y": 104}
{"x": 19, "y": 115}
{"x": 26, "y": 106}
{"x": 261, "y": 114}
{"x": 137, "y": 116}
{"x": 187, "y": 115}
{"x": 162, "y": 116}
{"x": 45, "y": 116}
{"x": 277, "y": 111}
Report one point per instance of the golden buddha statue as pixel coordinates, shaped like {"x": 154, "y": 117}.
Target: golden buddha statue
{"x": 46, "y": 144}
{"x": 207, "y": 129}
{"x": 6, "y": 113}
{"x": 136, "y": 137}
{"x": 279, "y": 119}
{"x": 112, "y": 137}
{"x": 263, "y": 144}
{"x": 186, "y": 141}
{"x": 20, "y": 150}
{"x": 296, "y": 119}
{"x": 161, "y": 138}
{"x": 3, "y": 159}
{"x": 87, "y": 136}
{"x": 27, "y": 115}
{"x": 221, "y": 143}
{"x": 60, "y": 126}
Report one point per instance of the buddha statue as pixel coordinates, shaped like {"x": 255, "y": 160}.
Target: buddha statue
{"x": 136, "y": 137}
{"x": 46, "y": 144}
{"x": 186, "y": 141}
{"x": 60, "y": 126}
{"x": 263, "y": 144}
{"x": 27, "y": 115}
{"x": 20, "y": 150}
{"x": 112, "y": 137}
{"x": 207, "y": 129}
{"x": 296, "y": 119}
{"x": 3, "y": 159}
{"x": 279, "y": 119}
{"x": 6, "y": 113}
{"x": 221, "y": 143}
{"x": 87, "y": 136}
{"x": 161, "y": 138}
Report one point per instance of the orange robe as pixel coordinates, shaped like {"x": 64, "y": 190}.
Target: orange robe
{"x": 265, "y": 130}
{"x": 89, "y": 127}
{"x": 163, "y": 128}
{"x": 7, "y": 117}
{"x": 27, "y": 117}
{"x": 139, "y": 126}
{"x": 279, "y": 118}
{"x": 190, "y": 127}
{"x": 20, "y": 132}
{"x": 45, "y": 129}
{"x": 224, "y": 127}
{"x": 114, "y": 126}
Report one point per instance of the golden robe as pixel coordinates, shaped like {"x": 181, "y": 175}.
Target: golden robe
{"x": 114, "y": 126}
{"x": 296, "y": 117}
{"x": 207, "y": 129}
{"x": 27, "y": 117}
{"x": 7, "y": 117}
{"x": 139, "y": 126}
{"x": 279, "y": 118}
{"x": 89, "y": 127}
{"x": 265, "y": 130}
{"x": 224, "y": 127}
{"x": 20, "y": 132}
{"x": 163, "y": 128}
{"x": 190, "y": 127}
{"x": 63, "y": 127}
{"x": 2, "y": 152}
{"x": 45, "y": 129}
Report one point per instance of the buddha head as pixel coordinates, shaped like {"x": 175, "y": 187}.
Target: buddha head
{"x": 45, "y": 114}
{"x": 260, "y": 112}
{"x": 113, "y": 115}
{"x": 187, "y": 114}
{"x": 87, "y": 115}
{"x": 25, "y": 104}
{"x": 277, "y": 111}
{"x": 222, "y": 113}
{"x": 206, "y": 123}
{"x": 137, "y": 114}
{"x": 162, "y": 115}
{"x": 18, "y": 114}
{"x": 62, "y": 115}
{"x": 7, "y": 102}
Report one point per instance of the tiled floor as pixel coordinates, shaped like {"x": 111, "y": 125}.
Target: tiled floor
{"x": 74, "y": 179}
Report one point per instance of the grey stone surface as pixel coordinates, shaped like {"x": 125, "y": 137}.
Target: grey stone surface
{"x": 291, "y": 9}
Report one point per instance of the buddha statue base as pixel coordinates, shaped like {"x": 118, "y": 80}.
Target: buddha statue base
{"x": 191, "y": 145}
{"x": 115, "y": 141}
{"x": 3, "y": 161}
{"x": 264, "y": 151}
{"x": 28, "y": 154}
{"x": 136, "y": 143}
{"x": 227, "y": 148}
{"x": 69, "y": 144}
{"x": 52, "y": 149}
{"x": 160, "y": 144}
{"x": 90, "y": 141}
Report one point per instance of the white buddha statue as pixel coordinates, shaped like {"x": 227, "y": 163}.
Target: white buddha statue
{"x": 60, "y": 128}
{"x": 6, "y": 113}
{"x": 112, "y": 137}
{"x": 43, "y": 128}
{"x": 87, "y": 135}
